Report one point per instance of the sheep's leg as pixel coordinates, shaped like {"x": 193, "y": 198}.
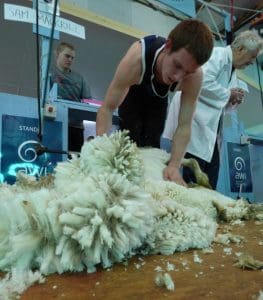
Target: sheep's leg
{"x": 201, "y": 177}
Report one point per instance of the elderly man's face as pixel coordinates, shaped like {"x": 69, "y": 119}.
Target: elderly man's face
{"x": 245, "y": 58}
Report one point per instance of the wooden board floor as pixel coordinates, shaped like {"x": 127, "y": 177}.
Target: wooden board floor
{"x": 214, "y": 278}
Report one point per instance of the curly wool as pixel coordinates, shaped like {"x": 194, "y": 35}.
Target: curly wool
{"x": 108, "y": 222}
{"x": 17, "y": 282}
{"x": 24, "y": 227}
{"x": 103, "y": 221}
{"x": 179, "y": 225}
{"x": 189, "y": 197}
{"x": 67, "y": 175}
{"x": 105, "y": 206}
{"x": 95, "y": 213}
{"x": 115, "y": 154}
{"x": 211, "y": 202}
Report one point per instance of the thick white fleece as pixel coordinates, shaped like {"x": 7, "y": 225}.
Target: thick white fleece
{"x": 107, "y": 205}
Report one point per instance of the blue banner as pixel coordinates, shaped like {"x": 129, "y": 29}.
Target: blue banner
{"x": 18, "y": 149}
{"x": 239, "y": 168}
{"x": 185, "y": 6}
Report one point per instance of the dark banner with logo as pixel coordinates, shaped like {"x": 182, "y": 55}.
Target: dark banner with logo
{"x": 239, "y": 168}
{"x": 18, "y": 149}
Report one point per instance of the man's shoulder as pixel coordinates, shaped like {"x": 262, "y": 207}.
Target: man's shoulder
{"x": 76, "y": 75}
{"x": 221, "y": 50}
{"x": 219, "y": 56}
{"x": 154, "y": 39}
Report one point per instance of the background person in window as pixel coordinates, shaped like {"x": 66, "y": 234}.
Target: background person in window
{"x": 145, "y": 77}
{"x": 71, "y": 86}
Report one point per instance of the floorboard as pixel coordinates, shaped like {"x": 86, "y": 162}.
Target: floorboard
{"x": 214, "y": 278}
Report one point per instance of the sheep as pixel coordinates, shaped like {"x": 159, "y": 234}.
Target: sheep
{"x": 103, "y": 207}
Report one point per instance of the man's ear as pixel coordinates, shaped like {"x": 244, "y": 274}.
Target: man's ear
{"x": 168, "y": 45}
{"x": 241, "y": 48}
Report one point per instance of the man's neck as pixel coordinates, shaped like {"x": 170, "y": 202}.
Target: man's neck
{"x": 63, "y": 69}
{"x": 158, "y": 67}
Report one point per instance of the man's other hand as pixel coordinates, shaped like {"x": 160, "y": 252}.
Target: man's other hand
{"x": 172, "y": 173}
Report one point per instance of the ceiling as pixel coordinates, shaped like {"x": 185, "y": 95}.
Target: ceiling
{"x": 212, "y": 12}
{"x": 244, "y": 11}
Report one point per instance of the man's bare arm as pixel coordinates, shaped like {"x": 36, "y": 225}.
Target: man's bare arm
{"x": 127, "y": 74}
{"x": 190, "y": 87}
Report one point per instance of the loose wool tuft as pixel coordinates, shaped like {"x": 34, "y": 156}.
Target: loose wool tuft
{"x": 17, "y": 282}
{"x": 104, "y": 207}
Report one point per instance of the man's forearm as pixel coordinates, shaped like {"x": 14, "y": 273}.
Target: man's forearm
{"x": 180, "y": 142}
{"x": 103, "y": 121}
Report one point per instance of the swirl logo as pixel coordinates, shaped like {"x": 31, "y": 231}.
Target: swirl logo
{"x": 239, "y": 163}
{"x": 27, "y": 152}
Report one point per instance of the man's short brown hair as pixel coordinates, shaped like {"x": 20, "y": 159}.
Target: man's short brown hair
{"x": 64, "y": 45}
{"x": 195, "y": 37}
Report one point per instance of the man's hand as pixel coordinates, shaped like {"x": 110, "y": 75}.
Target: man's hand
{"x": 236, "y": 96}
{"x": 172, "y": 173}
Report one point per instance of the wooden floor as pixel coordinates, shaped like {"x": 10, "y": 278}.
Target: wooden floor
{"x": 214, "y": 278}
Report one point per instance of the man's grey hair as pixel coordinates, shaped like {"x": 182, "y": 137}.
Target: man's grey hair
{"x": 250, "y": 40}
